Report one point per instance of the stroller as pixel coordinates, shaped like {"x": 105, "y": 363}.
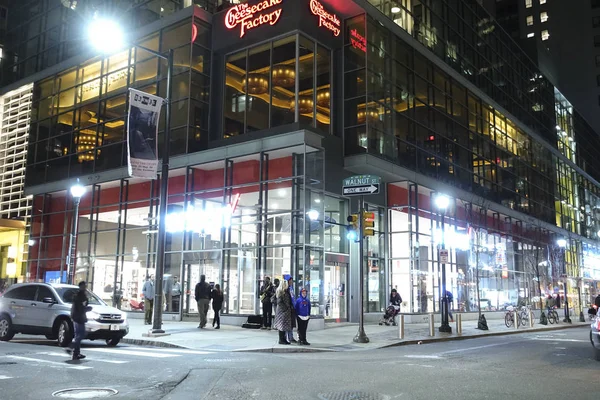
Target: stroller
{"x": 390, "y": 313}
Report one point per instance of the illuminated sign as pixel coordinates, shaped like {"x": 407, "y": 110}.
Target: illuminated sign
{"x": 250, "y": 17}
{"x": 198, "y": 220}
{"x": 326, "y": 20}
{"x": 358, "y": 41}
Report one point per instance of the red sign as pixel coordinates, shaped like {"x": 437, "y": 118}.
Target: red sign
{"x": 358, "y": 41}
{"x": 250, "y": 17}
{"x": 326, "y": 20}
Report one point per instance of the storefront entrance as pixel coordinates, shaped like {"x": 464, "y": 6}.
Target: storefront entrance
{"x": 335, "y": 286}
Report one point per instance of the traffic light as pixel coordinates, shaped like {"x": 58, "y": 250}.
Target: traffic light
{"x": 352, "y": 228}
{"x": 368, "y": 223}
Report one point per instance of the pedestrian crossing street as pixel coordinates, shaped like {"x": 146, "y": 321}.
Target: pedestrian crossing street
{"x": 95, "y": 356}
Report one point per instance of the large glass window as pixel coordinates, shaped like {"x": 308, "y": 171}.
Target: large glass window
{"x": 278, "y": 83}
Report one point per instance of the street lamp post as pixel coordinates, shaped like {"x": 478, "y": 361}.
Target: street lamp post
{"x": 77, "y": 192}
{"x": 562, "y": 243}
{"x": 442, "y": 202}
{"x": 107, "y": 36}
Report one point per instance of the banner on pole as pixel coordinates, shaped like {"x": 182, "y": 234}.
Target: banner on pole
{"x": 142, "y": 134}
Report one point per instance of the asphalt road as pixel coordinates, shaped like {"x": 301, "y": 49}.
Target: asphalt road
{"x": 549, "y": 365}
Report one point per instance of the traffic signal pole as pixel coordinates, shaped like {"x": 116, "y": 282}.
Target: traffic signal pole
{"x": 361, "y": 336}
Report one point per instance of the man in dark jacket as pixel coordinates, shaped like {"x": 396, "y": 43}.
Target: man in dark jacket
{"x": 78, "y": 315}
{"x": 202, "y": 295}
{"x": 266, "y": 292}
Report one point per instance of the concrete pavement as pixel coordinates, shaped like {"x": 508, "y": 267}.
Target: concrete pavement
{"x": 335, "y": 337}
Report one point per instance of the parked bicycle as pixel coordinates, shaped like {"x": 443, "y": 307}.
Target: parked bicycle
{"x": 509, "y": 317}
{"x": 553, "y": 316}
{"x": 524, "y": 315}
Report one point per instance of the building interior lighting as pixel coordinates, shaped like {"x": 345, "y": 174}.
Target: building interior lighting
{"x": 395, "y": 10}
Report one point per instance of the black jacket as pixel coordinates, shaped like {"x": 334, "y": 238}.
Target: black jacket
{"x": 268, "y": 291}
{"x": 217, "y": 299}
{"x": 202, "y": 291}
{"x": 395, "y": 300}
{"x": 80, "y": 307}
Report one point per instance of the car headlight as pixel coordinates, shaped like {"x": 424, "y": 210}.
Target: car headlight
{"x": 92, "y": 315}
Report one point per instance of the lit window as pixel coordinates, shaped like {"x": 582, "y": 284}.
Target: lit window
{"x": 545, "y": 35}
{"x": 529, "y": 20}
{"x": 528, "y": 3}
{"x": 530, "y": 35}
{"x": 544, "y": 16}
{"x": 542, "y": 1}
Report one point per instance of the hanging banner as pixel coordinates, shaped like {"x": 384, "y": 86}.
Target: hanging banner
{"x": 142, "y": 134}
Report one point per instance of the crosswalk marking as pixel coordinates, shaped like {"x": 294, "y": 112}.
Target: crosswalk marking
{"x": 37, "y": 360}
{"x": 132, "y": 352}
{"x": 182, "y": 351}
{"x": 95, "y": 359}
{"x": 5, "y": 377}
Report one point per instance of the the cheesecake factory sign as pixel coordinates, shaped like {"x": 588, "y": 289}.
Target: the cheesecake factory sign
{"x": 248, "y": 17}
{"x": 327, "y": 20}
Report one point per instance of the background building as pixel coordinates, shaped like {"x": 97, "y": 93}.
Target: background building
{"x": 270, "y": 117}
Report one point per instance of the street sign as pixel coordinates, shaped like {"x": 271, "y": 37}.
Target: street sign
{"x": 443, "y": 255}
{"x": 361, "y": 185}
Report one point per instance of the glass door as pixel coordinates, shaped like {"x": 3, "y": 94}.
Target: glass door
{"x": 336, "y": 282}
{"x": 207, "y": 263}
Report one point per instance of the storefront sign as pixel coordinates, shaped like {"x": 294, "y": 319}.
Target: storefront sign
{"x": 142, "y": 134}
{"x": 326, "y": 19}
{"x": 199, "y": 220}
{"x": 250, "y": 17}
{"x": 358, "y": 41}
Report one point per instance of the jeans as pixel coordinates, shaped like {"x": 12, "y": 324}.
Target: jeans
{"x": 217, "y": 318}
{"x": 302, "y": 326}
{"x": 203, "y": 310}
{"x": 148, "y": 304}
{"x": 267, "y": 313}
{"x": 79, "y": 336}
{"x": 290, "y": 335}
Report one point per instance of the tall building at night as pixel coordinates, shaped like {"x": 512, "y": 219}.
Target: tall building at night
{"x": 275, "y": 103}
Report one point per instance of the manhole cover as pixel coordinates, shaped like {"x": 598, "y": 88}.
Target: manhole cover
{"x": 352, "y": 395}
{"x": 85, "y": 393}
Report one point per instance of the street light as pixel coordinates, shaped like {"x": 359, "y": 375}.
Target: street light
{"x": 442, "y": 202}
{"x": 106, "y": 35}
{"x": 77, "y": 191}
{"x": 562, "y": 243}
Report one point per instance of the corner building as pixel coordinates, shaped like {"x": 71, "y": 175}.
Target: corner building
{"x": 275, "y": 102}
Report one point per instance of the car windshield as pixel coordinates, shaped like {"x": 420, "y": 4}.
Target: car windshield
{"x": 67, "y": 294}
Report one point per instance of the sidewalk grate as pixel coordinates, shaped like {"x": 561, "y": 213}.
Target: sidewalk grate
{"x": 352, "y": 395}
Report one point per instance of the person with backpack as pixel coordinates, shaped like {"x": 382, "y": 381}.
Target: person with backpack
{"x": 450, "y": 300}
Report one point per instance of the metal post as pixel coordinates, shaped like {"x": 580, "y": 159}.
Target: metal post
{"x": 567, "y": 316}
{"x": 401, "y": 326}
{"x": 164, "y": 186}
{"x": 581, "y": 317}
{"x": 459, "y": 324}
{"x": 431, "y": 325}
{"x": 516, "y": 317}
{"x": 445, "y": 327}
{"x": 531, "y": 319}
{"x": 73, "y": 242}
{"x": 361, "y": 336}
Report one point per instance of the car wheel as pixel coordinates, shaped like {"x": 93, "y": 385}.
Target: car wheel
{"x": 65, "y": 334}
{"x": 113, "y": 342}
{"x": 6, "y": 332}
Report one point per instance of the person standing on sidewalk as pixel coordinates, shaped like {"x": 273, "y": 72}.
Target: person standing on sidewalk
{"x": 290, "y": 332}
{"x": 283, "y": 316}
{"x": 217, "y": 302}
{"x": 266, "y": 292}
{"x": 78, "y": 315}
{"x": 450, "y": 300}
{"x": 148, "y": 292}
{"x": 274, "y": 297}
{"x": 202, "y": 295}
{"x": 302, "y": 308}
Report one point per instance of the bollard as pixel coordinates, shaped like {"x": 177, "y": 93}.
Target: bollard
{"x": 530, "y": 319}
{"x": 431, "y": 326}
{"x": 459, "y": 324}
{"x": 516, "y": 317}
{"x": 401, "y": 326}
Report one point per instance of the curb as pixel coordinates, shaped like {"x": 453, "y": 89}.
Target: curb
{"x": 281, "y": 350}
{"x": 152, "y": 343}
{"x": 501, "y": 333}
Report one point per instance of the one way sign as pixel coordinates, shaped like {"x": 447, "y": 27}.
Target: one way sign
{"x": 358, "y": 190}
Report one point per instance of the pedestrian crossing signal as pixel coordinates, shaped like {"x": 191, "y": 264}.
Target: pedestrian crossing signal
{"x": 368, "y": 223}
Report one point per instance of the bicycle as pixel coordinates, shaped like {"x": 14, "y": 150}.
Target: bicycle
{"x": 509, "y": 319}
{"x": 552, "y": 316}
{"x": 524, "y": 315}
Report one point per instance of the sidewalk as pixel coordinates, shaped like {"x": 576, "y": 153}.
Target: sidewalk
{"x": 335, "y": 337}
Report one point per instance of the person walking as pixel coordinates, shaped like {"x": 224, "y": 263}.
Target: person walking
{"x": 290, "y": 332}
{"x": 274, "y": 296}
{"x": 202, "y": 295}
{"x": 217, "y": 302}
{"x": 283, "y": 316}
{"x": 176, "y": 294}
{"x": 302, "y": 308}
{"x": 78, "y": 315}
{"x": 148, "y": 292}
{"x": 450, "y": 300}
{"x": 266, "y": 292}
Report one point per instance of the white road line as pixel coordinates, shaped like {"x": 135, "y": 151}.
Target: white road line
{"x": 5, "y": 377}
{"x": 560, "y": 340}
{"x": 132, "y": 352}
{"x": 474, "y": 348}
{"x": 95, "y": 359}
{"x": 168, "y": 350}
{"x": 561, "y": 348}
{"x": 422, "y": 356}
{"x": 37, "y": 360}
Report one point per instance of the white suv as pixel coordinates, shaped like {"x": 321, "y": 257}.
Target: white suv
{"x": 45, "y": 309}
